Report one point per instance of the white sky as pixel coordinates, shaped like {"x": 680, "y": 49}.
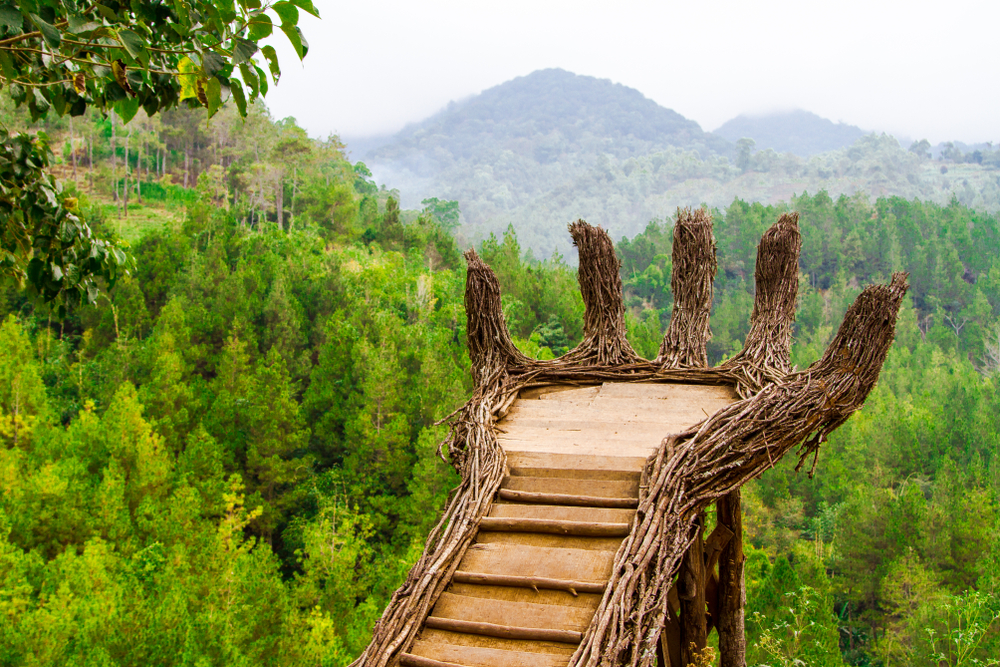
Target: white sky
{"x": 916, "y": 69}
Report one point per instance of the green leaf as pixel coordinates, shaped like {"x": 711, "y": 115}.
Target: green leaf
{"x": 241, "y": 99}
{"x": 134, "y": 44}
{"x": 212, "y": 63}
{"x": 49, "y": 32}
{"x": 308, "y": 6}
{"x": 243, "y": 50}
{"x": 271, "y": 56}
{"x": 108, "y": 13}
{"x": 263, "y": 80}
{"x": 287, "y": 12}
{"x": 251, "y": 79}
{"x": 41, "y": 103}
{"x": 11, "y": 18}
{"x": 213, "y": 92}
{"x": 297, "y": 39}
{"x": 188, "y": 76}
{"x": 127, "y": 108}
{"x": 7, "y": 65}
{"x": 260, "y": 27}
{"x": 79, "y": 24}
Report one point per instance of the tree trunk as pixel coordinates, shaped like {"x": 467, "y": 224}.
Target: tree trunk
{"x": 295, "y": 187}
{"x": 279, "y": 199}
{"x": 732, "y": 589}
{"x": 90, "y": 160}
{"x": 138, "y": 170}
{"x": 114, "y": 165}
{"x": 128, "y": 138}
{"x": 187, "y": 164}
{"x": 72, "y": 146}
{"x": 691, "y": 588}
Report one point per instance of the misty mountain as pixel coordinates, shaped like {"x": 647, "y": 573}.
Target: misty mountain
{"x": 546, "y": 116}
{"x": 545, "y": 149}
{"x": 799, "y": 132}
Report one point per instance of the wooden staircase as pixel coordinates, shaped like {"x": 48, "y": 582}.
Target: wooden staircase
{"x": 527, "y": 589}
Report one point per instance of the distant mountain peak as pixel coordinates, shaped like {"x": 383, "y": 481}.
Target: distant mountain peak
{"x": 793, "y": 131}
{"x": 546, "y": 110}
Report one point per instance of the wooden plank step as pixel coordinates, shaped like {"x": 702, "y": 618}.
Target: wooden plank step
{"x": 570, "y": 447}
{"x": 515, "y": 614}
{"x": 604, "y": 466}
{"x": 563, "y": 512}
{"x": 571, "y": 487}
{"x": 566, "y": 500}
{"x": 553, "y": 527}
{"x": 554, "y": 563}
{"x": 588, "y": 601}
{"x": 534, "y": 583}
{"x": 504, "y": 631}
{"x": 551, "y": 541}
{"x": 473, "y": 656}
{"x": 435, "y": 636}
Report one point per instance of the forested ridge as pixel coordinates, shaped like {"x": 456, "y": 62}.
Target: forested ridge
{"x": 554, "y": 145}
{"x": 231, "y": 457}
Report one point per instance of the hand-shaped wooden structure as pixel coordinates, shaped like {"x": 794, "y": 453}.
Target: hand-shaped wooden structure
{"x": 553, "y": 550}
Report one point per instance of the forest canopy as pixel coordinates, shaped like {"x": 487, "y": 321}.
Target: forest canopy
{"x": 231, "y": 457}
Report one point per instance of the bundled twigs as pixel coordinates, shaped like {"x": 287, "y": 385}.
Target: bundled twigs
{"x": 765, "y": 354}
{"x": 692, "y": 469}
{"x": 490, "y": 346}
{"x": 694, "y": 265}
{"x": 604, "y": 341}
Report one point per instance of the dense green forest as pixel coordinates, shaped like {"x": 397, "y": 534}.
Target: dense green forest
{"x": 231, "y": 458}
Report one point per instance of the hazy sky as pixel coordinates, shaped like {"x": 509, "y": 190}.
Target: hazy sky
{"x": 917, "y": 69}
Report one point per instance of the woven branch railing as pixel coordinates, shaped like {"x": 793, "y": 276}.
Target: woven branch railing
{"x": 685, "y": 345}
{"x": 689, "y": 471}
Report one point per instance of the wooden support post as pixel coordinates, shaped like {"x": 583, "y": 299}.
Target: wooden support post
{"x": 694, "y": 265}
{"x": 691, "y": 589}
{"x": 732, "y": 588}
{"x": 604, "y": 341}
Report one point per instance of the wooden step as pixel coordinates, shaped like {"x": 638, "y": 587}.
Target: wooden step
{"x": 550, "y": 541}
{"x": 534, "y": 583}
{"x": 601, "y": 488}
{"x": 474, "y": 656}
{"x": 588, "y": 601}
{"x": 553, "y": 527}
{"x": 604, "y": 466}
{"x": 562, "y": 512}
{"x": 518, "y": 614}
{"x": 554, "y": 563}
{"x": 434, "y": 636}
{"x": 503, "y": 631}
{"x": 564, "y": 500}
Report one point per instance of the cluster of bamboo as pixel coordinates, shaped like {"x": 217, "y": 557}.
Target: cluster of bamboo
{"x": 690, "y": 471}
